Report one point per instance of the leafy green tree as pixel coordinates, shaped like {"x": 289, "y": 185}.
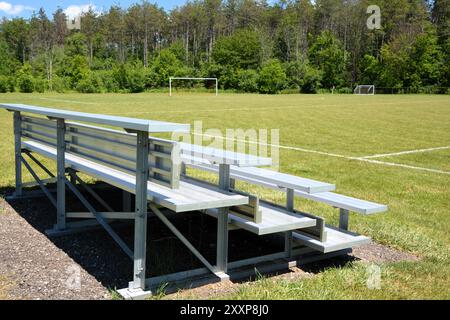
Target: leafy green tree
{"x": 89, "y": 83}
{"x": 329, "y": 56}
{"x": 60, "y": 84}
{"x": 74, "y": 65}
{"x": 74, "y": 68}
{"x": 40, "y": 85}
{"x": 107, "y": 77}
{"x": 241, "y": 50}
{"x": 25, "y": 79}
{"x": 3, "y": 84}
{"x": 426, "y": 61}
{"x": 8, "y": 64}
{"x": 16, "y": 33}
{"x": 247, "y": 80}
{"x": 164, "y": 66}
{"x": 272, "y": 77}
{"x": 411, "y": 65}
{"x": 370, "y": 70}
{"x": 303, "y": 77}
{"x": 130, "y": 77}
{"x": 394, "y": 64}
{"x": 226, "y": 74}
{"x": 76, "y": 45}
{"x": 136, "y": 80}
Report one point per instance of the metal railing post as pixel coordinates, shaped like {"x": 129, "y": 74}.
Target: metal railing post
{"x": 61, "y": 173}
{"x": 140, "y": 221}
{"x": 18, "y": 152}
{"x": 222, "y": 221}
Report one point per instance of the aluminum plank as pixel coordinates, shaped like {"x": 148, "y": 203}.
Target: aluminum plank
{"x": 344, "y": 202}
{"x": 271, "y": 179}
{"x": 220, "y": 156}
{"x": 190, "y": 196}
{"x": 330, "y": 198}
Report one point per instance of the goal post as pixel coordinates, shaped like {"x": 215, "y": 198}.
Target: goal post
{"x": 195, "y": 79}
{"x": 365, "y": 89}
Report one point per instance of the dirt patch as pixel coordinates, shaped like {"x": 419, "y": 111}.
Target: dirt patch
{"x": 377, "y": 253}
{"x": 228, "y": 287}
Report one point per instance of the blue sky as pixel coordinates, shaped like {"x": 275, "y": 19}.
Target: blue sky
{"x": 24, "y": 8}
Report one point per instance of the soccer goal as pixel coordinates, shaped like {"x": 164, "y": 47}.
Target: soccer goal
{"x": 365, "y": 89}
{"x": 193, "y": 79}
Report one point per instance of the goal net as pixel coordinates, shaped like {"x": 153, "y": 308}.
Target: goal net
{"x": 188, "y": 82}
{"x": 365, "y": 89}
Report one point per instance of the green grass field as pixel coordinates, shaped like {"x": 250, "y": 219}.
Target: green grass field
{"x": 324, "y": 137}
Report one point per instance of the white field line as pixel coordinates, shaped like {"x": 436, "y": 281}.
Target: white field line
{"x": 392, "y": 164}
{"x": 254, "y": 109}
{"x": 404, "y": 152}
{"x": 68, "y": 101}
{"x": 274, "y": 145}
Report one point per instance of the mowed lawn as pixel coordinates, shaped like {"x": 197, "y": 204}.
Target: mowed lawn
{"x": 324, "y": 137}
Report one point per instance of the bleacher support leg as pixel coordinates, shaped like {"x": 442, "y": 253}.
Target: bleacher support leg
{"x": 140, "y": 222}
{"x": 126, "y": 201}
{"x": 343, "y": 219}
{"x": 61, "y": 174}
{"x": 18, "y": 153}
{"x": 222, "y": 221}
{"x": 288, "y": 235}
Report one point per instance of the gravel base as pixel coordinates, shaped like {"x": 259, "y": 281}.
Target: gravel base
{"x": 33, "y": 266}
{"x": 36, "y": 268}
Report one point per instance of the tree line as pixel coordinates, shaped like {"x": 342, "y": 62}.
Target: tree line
{"x": 250, "y": 45}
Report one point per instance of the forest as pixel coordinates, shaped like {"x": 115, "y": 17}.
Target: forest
{"x": 251, "y": 46}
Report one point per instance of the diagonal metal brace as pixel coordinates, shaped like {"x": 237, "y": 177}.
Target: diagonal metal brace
{"x": 90, "y": 190}
{"x": 33, "y": 158}
{"x": 100, "y": 220}
{"x": 39, "y": 181}
{"x": 185, "y": 241}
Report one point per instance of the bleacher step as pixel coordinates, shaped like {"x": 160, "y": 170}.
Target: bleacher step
{"x": 337, "y": 239}
{"x": 274, "y": 220}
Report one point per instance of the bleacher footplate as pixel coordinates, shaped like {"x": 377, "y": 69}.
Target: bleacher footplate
{"x": 336, "y": 240}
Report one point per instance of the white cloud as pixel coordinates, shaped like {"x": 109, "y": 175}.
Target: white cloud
{"x": 73, "y": 11}
{"x": 11, "y": 9}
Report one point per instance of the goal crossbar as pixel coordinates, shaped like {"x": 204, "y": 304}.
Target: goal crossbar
{"x": 193, "y": 78}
